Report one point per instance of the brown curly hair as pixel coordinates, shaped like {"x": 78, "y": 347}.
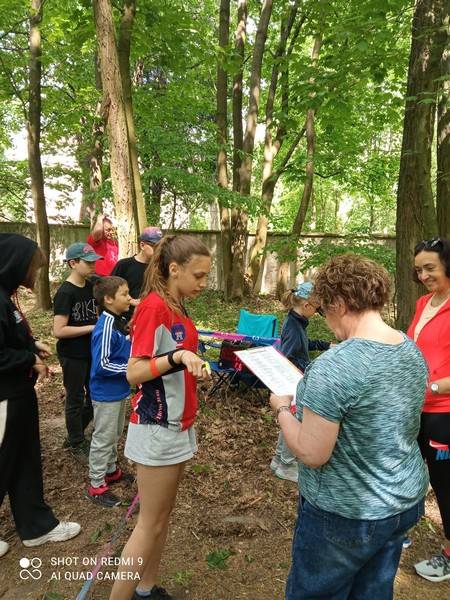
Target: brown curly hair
{"x": 361, "y": 283}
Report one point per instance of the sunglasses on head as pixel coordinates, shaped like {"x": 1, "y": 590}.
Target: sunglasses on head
{"x": 427, "y": 244}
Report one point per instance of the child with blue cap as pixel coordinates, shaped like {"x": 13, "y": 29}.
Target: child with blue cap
{"x": 295, "y": 345}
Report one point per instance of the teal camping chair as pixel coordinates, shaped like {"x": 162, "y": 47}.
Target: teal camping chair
{"x": 264, "y": 326}
{"x": 257, "y": 325}
{"x": 228, "y": 370}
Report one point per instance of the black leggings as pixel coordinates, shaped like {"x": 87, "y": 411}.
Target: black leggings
{"x": 434, "y": 442}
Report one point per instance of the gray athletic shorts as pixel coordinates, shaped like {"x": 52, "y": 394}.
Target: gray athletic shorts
{"x": 157, "y": 446}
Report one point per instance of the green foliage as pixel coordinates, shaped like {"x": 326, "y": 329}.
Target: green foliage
{"x": 182, "y": 578}
{"x": 53, "y": 596}
{"x": 319, "y": 252}
{"x": 105, "y": 529}
{"x": 356, "y": 88}
{"x": 217, "y": 558}
{"x": 198, "y": 469}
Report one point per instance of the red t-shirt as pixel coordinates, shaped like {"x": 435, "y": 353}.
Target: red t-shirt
{"x": 434, "y": 342}
{"x": 171, "y": 399}
{"x": 109, "y": 249}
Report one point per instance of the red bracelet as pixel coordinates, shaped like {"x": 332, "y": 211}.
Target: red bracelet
{"x": 153, "y": 369}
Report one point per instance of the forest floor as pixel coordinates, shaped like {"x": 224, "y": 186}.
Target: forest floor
{"x": 231, "y": 531}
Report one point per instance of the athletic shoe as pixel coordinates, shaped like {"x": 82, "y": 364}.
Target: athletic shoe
{"x": 81, "y": 452}
{"x": 4, "y": 547}
{"x": 62, "y": 532}
{"x": 274, "y": 464}
{"x": 102, "y": 496}
{"x": 66, "y": 443}
{"x": 436, "y": 568}
{"x": 156, "y": 593}
{"x": 289, "y": 473}
{"x": 406, "y": 542}
{"x": 119, "y": 475}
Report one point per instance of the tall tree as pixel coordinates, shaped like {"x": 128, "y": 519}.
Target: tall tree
{"x": 124, "y": 49}
{"x": 416, "y": 216}
{"x": 443, "y": 132}
{"x": 240, "y": 233}
{"x": 222, "y": 137}
{"x": 282, "y": 280}
{"x": 272, "y": 144}
{"x": 34, "y": 151}
{"x": 116, "y": 124}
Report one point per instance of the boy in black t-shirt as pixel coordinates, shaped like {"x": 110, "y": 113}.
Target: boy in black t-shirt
{"x": 75, "y": 317}
{"x": 133, "y": 269}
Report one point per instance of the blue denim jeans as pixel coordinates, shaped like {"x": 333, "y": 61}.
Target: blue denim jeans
{"x": 334, "y": 558}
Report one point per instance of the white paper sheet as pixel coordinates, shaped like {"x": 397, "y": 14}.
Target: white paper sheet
{"x": 274, "y": 369}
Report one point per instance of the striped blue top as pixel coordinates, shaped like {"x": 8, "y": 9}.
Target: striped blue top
{"x": 375, "y": 392}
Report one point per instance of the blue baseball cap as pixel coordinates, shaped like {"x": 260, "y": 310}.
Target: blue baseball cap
{"x": 304, "y": 289}
{"x": 83, "y": 251}
{"x": 151, "y": 234}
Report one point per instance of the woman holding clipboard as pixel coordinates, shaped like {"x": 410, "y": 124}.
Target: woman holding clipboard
{"x": 361, "y": 474}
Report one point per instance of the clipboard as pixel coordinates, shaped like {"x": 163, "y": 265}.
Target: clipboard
{"x": 272, "y": 368}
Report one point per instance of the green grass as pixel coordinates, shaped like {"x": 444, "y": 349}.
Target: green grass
{"x": 211, "y": 312}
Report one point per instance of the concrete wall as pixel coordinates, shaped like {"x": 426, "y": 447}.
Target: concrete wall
{"x": 61, "y": 236}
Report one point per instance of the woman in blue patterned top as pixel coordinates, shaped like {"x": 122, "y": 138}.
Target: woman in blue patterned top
{"x": 361, "y": 475}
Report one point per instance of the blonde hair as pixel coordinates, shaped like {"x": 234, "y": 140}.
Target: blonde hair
{"x": 171, "y": 249}
{"x": 290, "y": 300}
{"x": 361, "y": 283}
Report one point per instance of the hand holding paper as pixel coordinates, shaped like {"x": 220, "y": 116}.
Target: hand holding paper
{"x": 274, "y": 369}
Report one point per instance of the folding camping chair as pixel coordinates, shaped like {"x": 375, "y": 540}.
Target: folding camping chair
{"x": 229, "y": 370}
{"x": 264, "y": 326}
{"x": 222, "y": 374}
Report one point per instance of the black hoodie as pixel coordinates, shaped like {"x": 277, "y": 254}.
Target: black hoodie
{"x": 17, "y": 348}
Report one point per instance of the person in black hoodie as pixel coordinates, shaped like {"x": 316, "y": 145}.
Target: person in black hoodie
{"x": 21, "y": 366}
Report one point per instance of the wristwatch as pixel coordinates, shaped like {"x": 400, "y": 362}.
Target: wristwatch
{"x": 434, "y": 388}
{"x": 282, "y": 409}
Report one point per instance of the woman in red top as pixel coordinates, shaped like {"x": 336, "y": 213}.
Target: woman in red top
{"x": 430, "y": 329}
{"x": 161, "y": 437}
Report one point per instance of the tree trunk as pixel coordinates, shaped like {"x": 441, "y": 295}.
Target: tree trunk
{"x": 283, "y": 275}
{"x": 238, "y": 132}
{"x": 116, "y": 124}
{"x": 416, "y": 218}
{"x": 222, "y": 127}
{"x": 95, "y": 165}
{"x": 271, "y": 148}
{"x": 229, "y": 219}
{"x": 124, "y": 47}
{"x": 443, "y": 136}
{"x": 34, "y": 152}
{"x": 240, "y": 232}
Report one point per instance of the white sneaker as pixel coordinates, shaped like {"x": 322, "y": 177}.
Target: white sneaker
{"x": 64, "y": 531}
{"x": 289, "y": 473}
{"x": 4, "y": 547}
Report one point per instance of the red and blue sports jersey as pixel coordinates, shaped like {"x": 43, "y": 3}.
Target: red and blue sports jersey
{"x": 171, "y": 399}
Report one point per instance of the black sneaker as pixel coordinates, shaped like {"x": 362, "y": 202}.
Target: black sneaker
{"x": 157, "y": 593}
{"x": 102, "y": 496}
{"x": 119, "y": 475}
{"x": 81, "y": 452}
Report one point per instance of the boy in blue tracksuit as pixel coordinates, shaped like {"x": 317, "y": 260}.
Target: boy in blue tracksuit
{"x": 110, "y": 348}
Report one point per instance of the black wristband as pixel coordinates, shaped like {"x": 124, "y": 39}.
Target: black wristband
{"x": 170, "y": 358}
